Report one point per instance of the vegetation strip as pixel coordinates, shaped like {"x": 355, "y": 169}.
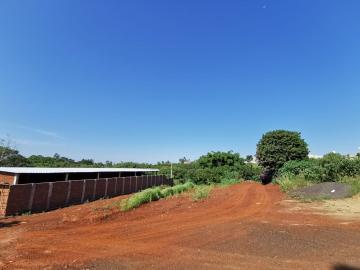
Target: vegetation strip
{"x": 153, "y": 194}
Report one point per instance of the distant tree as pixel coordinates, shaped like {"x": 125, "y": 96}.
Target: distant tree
{"x": 56, "y": 161}
{"x": 218, "y": 159}
{"x": 87, "y": 162}
{"x": 10, "y": 157}
{"x": 109, "y": 164}
{"x": 183, "y": 160}
{"x": 249, "y": 158}
{"x": 279, "y": 146}
{"x": 164, "y": 162}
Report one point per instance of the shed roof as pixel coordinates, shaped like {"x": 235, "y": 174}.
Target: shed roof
{"x": 20, "y": 170}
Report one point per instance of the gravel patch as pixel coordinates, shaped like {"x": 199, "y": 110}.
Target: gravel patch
{"x": 327, "y": 190}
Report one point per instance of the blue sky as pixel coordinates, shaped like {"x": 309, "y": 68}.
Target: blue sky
{"x": 159, "y": 80}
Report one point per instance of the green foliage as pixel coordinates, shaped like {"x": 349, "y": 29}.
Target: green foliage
{"x": 10, "y": 157}
{"x": 289, "y": 183}
{"x": 225, "y": 182}
{"x": 279, "y": 146}
{"x": 219, "y": 159}
{"x": 201, "y": 192}
{"x": 207, "y": 175}
{"x": 332, "y": 167}
{"x": 148, "y": 195}
{"x": 354, "y": 182}
{"x": 153, "y": 194}
{"x": 250, "y": 172}
{"x": 310, "y": 169}
{"x": 166, "y": 192}
{"x": 212, "y": 168}
{"x": 178, "y": 189}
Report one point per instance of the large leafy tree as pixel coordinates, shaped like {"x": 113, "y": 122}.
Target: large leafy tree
{"x": 279, "y": 146}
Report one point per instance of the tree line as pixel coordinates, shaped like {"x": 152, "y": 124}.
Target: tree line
{"x": 279, "y": 152}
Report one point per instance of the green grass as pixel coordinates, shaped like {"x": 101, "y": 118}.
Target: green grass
{"x": 201, "y": 192}
{"x": 228, "y": 182}
{"x": 153, "y": 194}
{"x": 290, "y": 183}
{"x": 354, "y": 182}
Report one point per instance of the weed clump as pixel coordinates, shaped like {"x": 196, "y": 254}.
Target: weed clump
{"x": 290, "y": 183}
{"x": 201, "y": 192}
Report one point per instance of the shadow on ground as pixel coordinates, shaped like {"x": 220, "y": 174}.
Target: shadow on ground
{"x": 344, "y": 267}
{"x": 8, "y": 224}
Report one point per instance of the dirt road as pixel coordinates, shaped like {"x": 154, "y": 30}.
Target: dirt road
{"x": 245, "y": 226}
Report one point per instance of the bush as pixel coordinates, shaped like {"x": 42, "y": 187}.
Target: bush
{"x": 207, "y": 175}
{"x": 289, "y": 182}
{"x": 250, "y": 172}
{"x": 277, "y": 147}
{"x": 167, "y": 192}
{"x": 201, "y": 192}
{"x": 310, "y": 169}
{"x": 354, "y": 182}
{"x": 295, "y": 167}
{"x": 182, "y": 188}
{"x": 331, "y": 168}
{"x": 212, "y": 168}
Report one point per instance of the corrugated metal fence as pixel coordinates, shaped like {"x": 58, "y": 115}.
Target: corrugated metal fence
{"x": 38, "y": 197}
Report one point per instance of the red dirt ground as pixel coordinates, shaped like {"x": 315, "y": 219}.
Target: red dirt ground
{"x": 245, "y": 226}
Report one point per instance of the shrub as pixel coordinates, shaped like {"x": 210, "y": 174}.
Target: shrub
{"x": 181, "y": 188}
{"x": 332, "y": 167}
{"x": 250, "y": 172}
{"x": 310, "y": 169}
{"x": 295, "y": 167}
{"x": 279, "y": 146}
{"x": 166, "y": 192}
{"x": 201, "y": 192}
{"x": 290, "y": 182}
{"x": 315, "y": 173}
{"x": 354, "y": 182}
{"x": 208, "y": 176}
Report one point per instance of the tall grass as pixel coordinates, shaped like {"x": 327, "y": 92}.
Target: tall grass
{"x": 153, "y": 194}
{"x": 354, "y": 182}
{"x": 289, "y": 183}
{"x": 201, "y": 192}
{"x": 225, "y": 182}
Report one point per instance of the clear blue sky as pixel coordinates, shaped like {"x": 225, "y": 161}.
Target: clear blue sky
{"x": 158, "y": 80}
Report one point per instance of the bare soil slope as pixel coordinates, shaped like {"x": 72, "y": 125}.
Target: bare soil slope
{"x": 246, "y": 226}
